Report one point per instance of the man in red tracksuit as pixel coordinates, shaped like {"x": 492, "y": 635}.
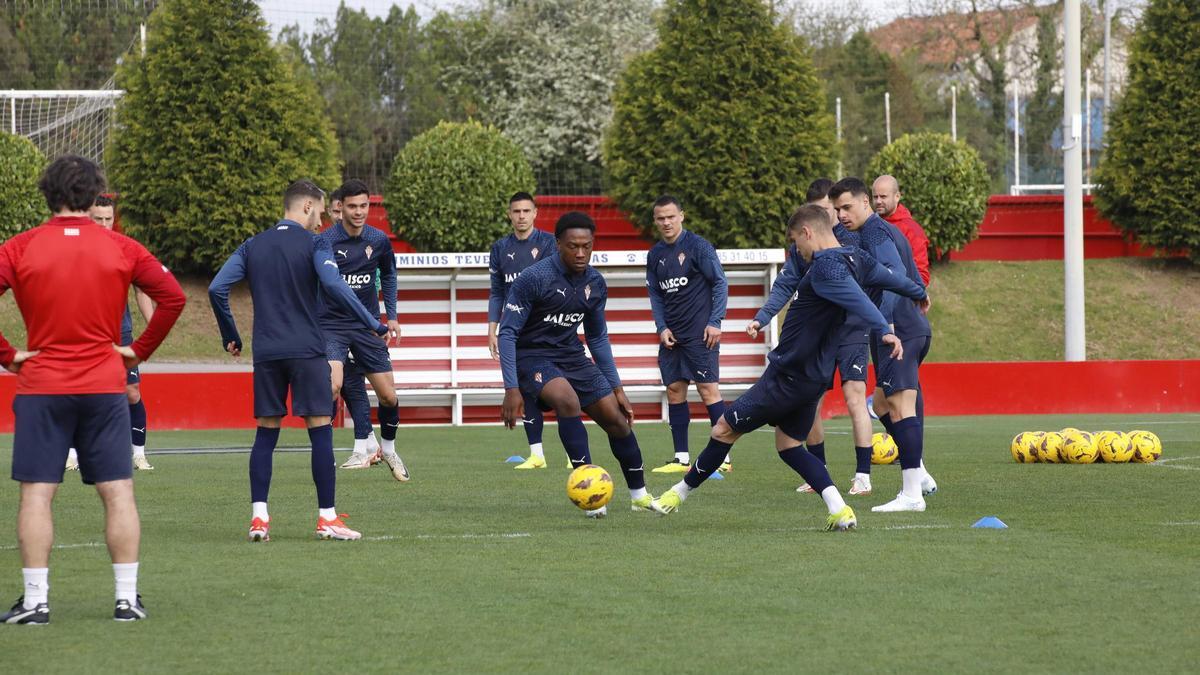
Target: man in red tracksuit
{"x": 71, "y": 279}
{"x": 886, "y": 195}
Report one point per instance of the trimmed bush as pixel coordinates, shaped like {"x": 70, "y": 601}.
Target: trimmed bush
{"x": 1151, "y": 168}
{"x": 728, "y": 115}
{"x": 450, "y": 186}
{"x": 945, "y": 185}
{"x": 21, "y": 203}
{"x": 212, "y": 129}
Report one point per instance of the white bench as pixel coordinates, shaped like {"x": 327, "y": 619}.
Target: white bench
{"x": 445, "y": 375}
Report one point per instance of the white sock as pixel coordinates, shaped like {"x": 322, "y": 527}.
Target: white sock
{"x": 535, "y": 450}
{"x": 361, "y": 446}
{"x": 833, "y": 499}
{"x": 683, "y": 457}
{"x": 259, "y": 510}
{"x": 373, "y": 441}
{"x": 37, "y": 585}
{"x": 126, "y": 578}
{"x": 139, "y": 451}
{"x": 72, "y": 456}
{"x": 728, "y": 460}
{"x": 637, "y": 493}
{"x": 682, "y": 489}
{"x": 862, "y": 475}
{"x": 328, "y": 514}
{"x": 389, "y": 447}
{"x": 911, "y": 481}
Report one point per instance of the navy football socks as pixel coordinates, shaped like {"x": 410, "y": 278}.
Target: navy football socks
{"x": 808, "y": 466}
{"x": 907, "y": 433}
{"x": 137, "y": 423}
{"x": 715, "y": 411}
{"x": 862, "y": 459}
{"x": 629, "y": 455}
{"x": 817, "y": 450}
{"x": 679, "y": 417}
{"x": 533, "y": 420}
{"x": 389, "y": 420}
{"x": 323, "y": 471}
{"x": 260, "y": 463}
{"x": 575, "y": 440}
{"x": 708, "y": 462}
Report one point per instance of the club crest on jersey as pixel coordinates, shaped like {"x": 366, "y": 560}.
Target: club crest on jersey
{"x": 537, "y": 377}
{"x": 587, "y": 292}
{"x": 369, "y": 251}
{"x": 682, "y": 257}
{"x": 533, "y": 252}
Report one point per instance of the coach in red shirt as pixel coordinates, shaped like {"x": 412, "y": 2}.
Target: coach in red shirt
{"x": 71, "y": 280}
{"x": 886, "y": 196}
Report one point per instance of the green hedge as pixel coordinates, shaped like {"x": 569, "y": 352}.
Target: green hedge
{"x": 21, "y": 203}
{"x": 945, "y": 185}
{"x": 212, "y": 129}
{"x": 728, "y": 115}
{"x": 1150, "y": 173}
{"x": 450, "y": 186}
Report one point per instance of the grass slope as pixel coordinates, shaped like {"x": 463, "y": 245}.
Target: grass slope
{"x": 475, "y": 567}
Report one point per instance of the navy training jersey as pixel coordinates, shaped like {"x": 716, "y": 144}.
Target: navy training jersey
{"x": 511, "y": 256}
{"x": 831, "y": 289}
{"x": 542, "y": 314}
{"x": 287, "y": 267}
{"x": 358, "y": 259}
{"x": 891, "y": 248}
{"x": 688, "y": 289}
{"x": 126, "y": 323}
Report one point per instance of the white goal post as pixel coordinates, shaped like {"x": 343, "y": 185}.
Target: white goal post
{"x": 61, "y": 121}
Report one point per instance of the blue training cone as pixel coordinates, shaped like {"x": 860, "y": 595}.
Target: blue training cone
{"x": 515, "y": 459}
{"x": 990, "y": 522}
{"x": 717, "y": 475}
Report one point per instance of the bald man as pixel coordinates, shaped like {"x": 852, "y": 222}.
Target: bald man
{"x": 885, "y": 197}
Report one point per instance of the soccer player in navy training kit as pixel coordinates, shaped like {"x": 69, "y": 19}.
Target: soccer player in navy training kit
{"x": 361, "y": 252}
{"x": 71, "y": 277}
{"x": 508, "y": 258}
{"x": 852, "y": 351}
{"x": 688, "y": 294}
{"x": 895, "y": 379}
{"x": 103, "y": 212}
{"x": 800, "y": 368}
{"x": 288, "y": 266}
{"x": 542, "y": 358}
{"x": 354, "y": 383}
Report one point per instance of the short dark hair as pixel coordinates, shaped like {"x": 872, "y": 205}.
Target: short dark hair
{"x": 336, "y": 195}
{"x": 572, "y": 220}
{"x": 666, "y": 200}
{"x": 71, "y": 181}
{"x": 352, "y": 188}
{"x": 521, "y": 197}
{"x": 301, "y": 189}
{"x": 818, "y": 190}
{"x": 811, "y": 215}
{"x": 853, "y": 185}
{"x": 104, "y": 200}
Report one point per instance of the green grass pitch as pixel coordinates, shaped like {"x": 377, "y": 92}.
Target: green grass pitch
{"x": 474, "y": 567}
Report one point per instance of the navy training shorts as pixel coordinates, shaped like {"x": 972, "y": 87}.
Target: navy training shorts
{"x": 48, "y": 425}
{"x": 590, "y": 385}
{"x": 308, "y": 379}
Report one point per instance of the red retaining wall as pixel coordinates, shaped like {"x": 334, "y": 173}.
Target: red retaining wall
{"x": 224, "y": 400}
{"x": 1026, "y": 227}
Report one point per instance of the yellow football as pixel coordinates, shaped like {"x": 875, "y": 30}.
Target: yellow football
{"x": 1024, "y": 447}
{"x": 1050, "y": 449}
{"x": 884, "y": 450}
{"x": 1114, "y": 447}
{"x": 589, "y": 487}
{"x": 1079, "y": 447}
{"x": 1146, "y": 446}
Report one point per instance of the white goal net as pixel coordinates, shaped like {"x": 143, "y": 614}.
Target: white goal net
{"x": 61, "y": 122}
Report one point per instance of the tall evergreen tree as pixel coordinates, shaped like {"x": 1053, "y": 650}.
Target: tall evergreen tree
{"x": 727, "y": 114}
{"x": 1150, "y": 173}
{"x": 211, "y": 130}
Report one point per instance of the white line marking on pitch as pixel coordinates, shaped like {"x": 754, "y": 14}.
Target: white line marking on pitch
{"x": 90, "y": 544}
{"x": 1178, "y": 459}
{"x": 1183, "y": 523}
{"x": 487, "y": 535}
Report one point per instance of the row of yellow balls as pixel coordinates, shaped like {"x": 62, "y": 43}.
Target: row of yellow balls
{"x": 1072, "y": 446}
